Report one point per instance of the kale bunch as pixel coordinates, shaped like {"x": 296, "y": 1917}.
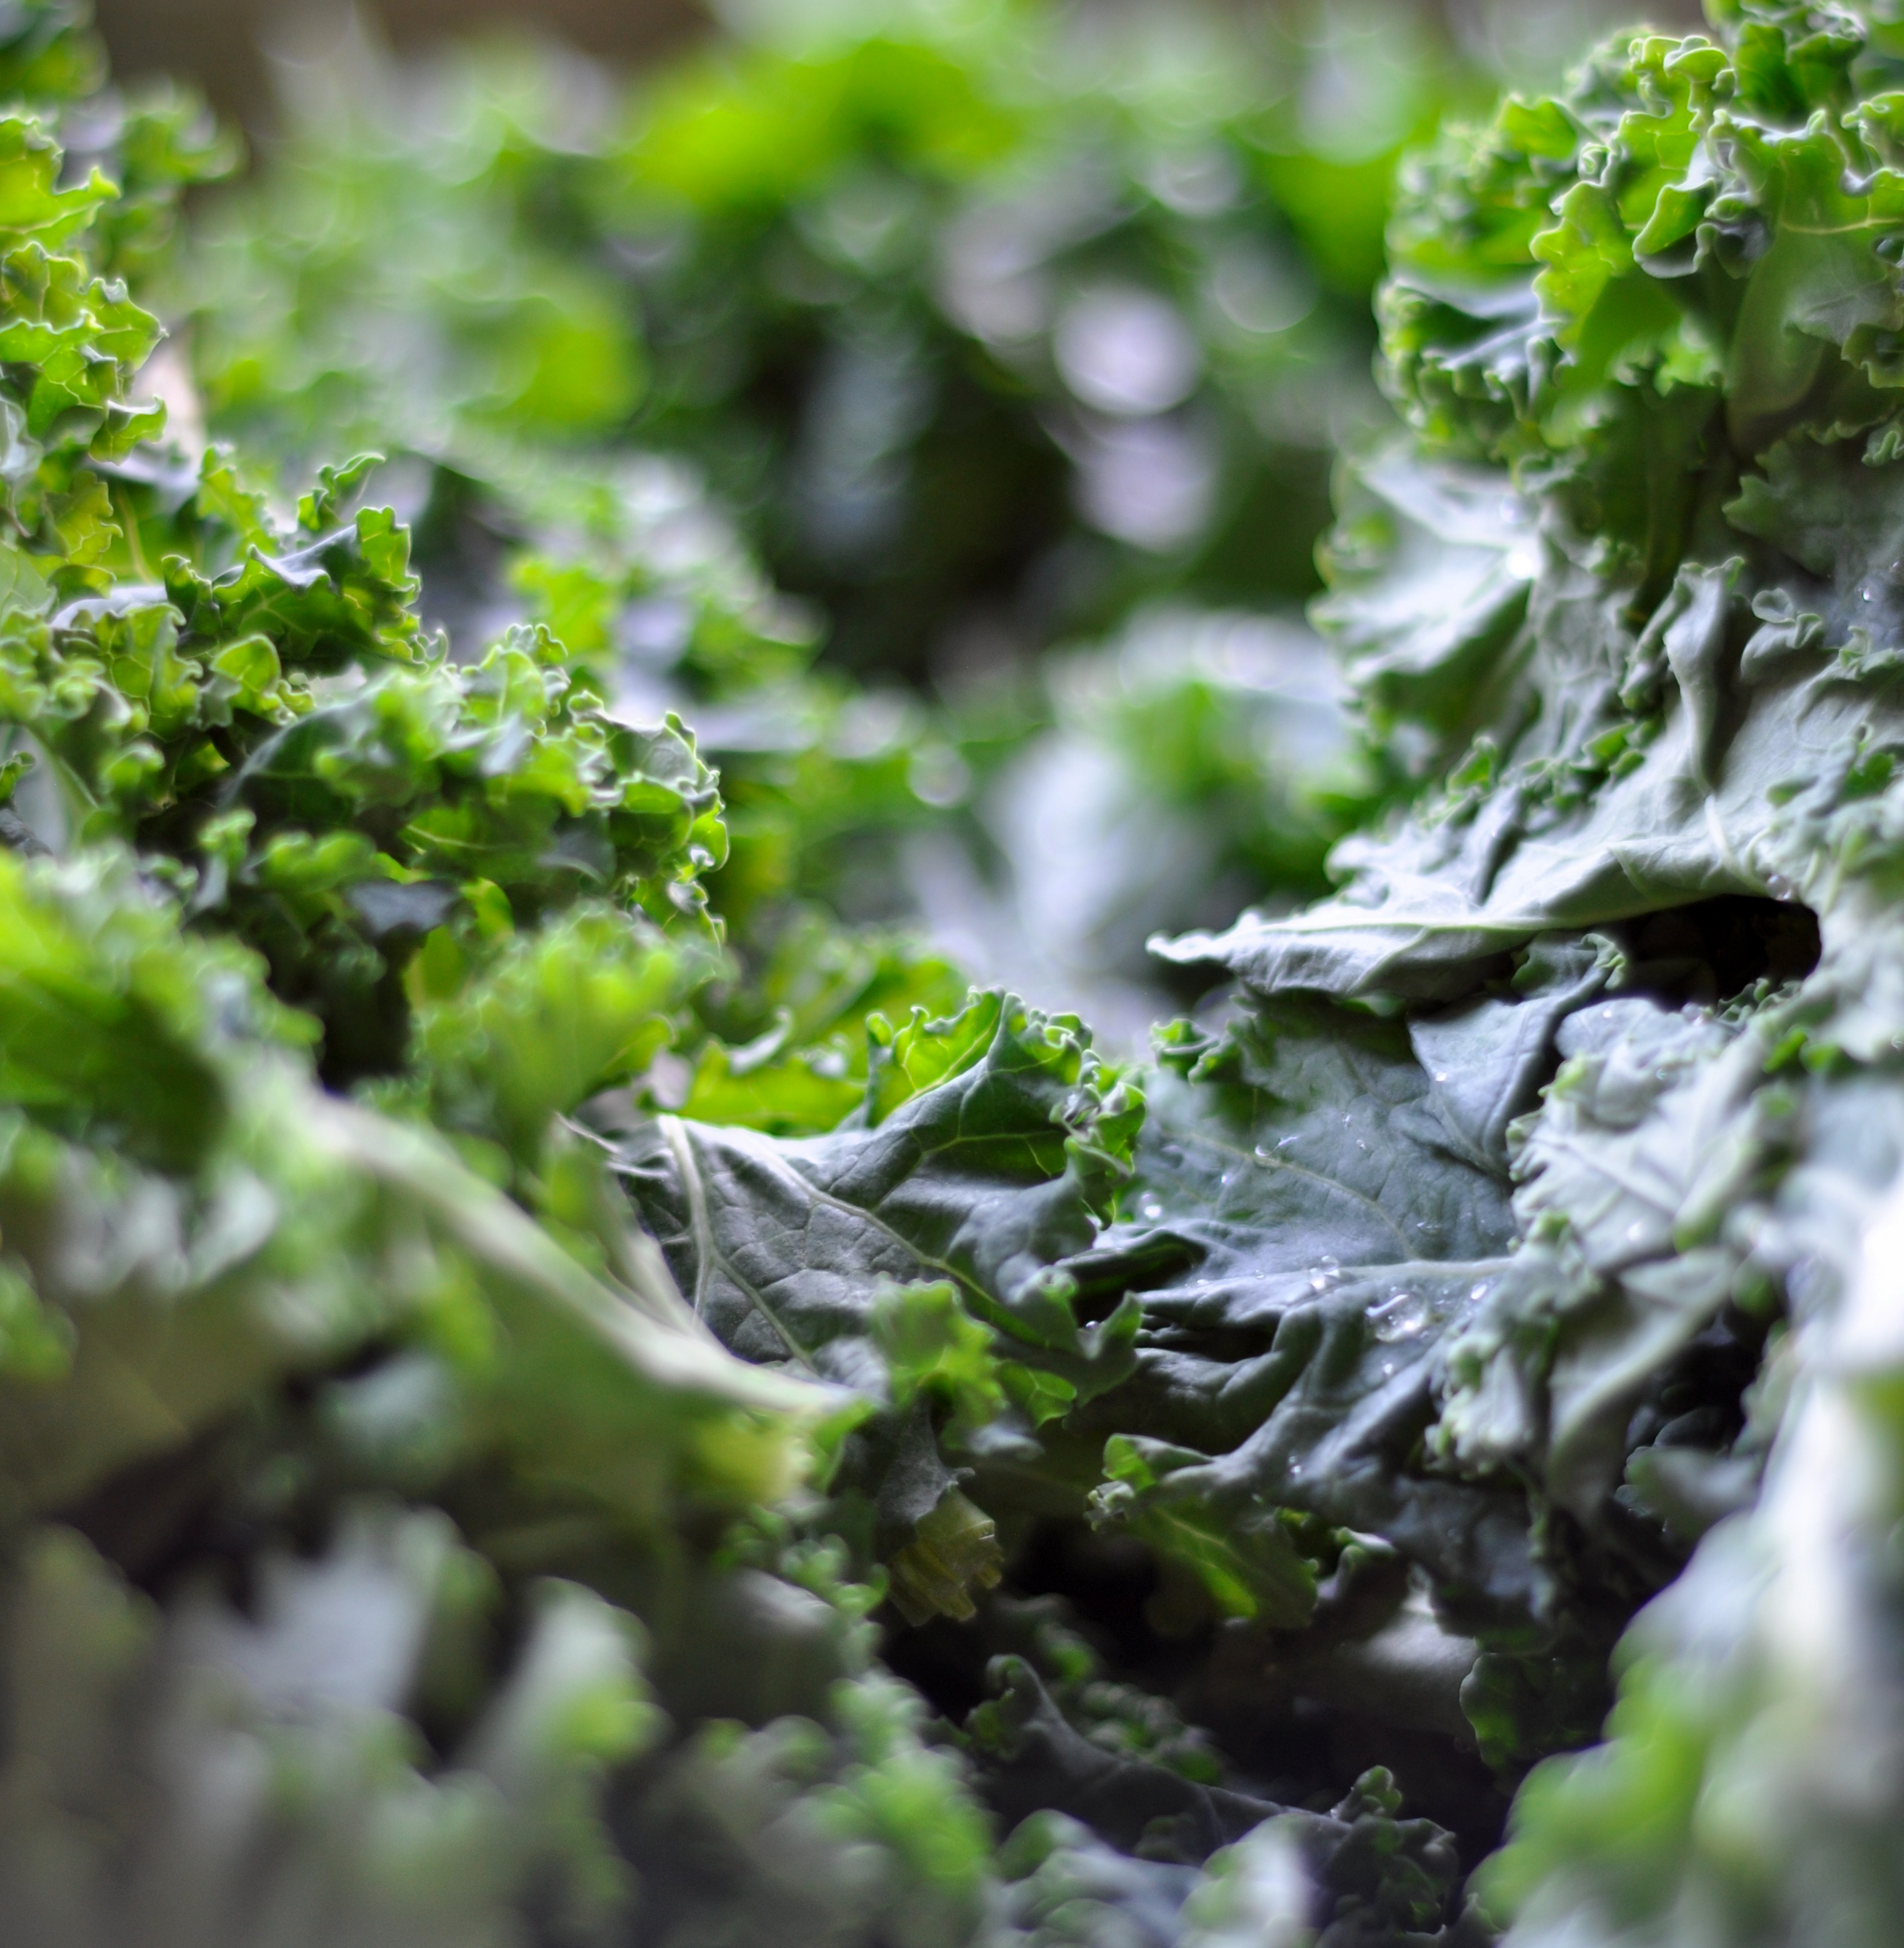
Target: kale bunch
{"x": 545, "y": 1400}
{"x": 1484, "y": 1247}
{"x": 391, "y": 1549}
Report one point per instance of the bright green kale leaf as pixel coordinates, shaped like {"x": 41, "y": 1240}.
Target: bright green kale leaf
{"x": 289, "y": 1229}
{"x": 316, "y": 774}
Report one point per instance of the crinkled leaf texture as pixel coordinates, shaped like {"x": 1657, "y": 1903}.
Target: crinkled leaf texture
{"x": 1443, "y": 1294}
{"x": 986, "y": 1151}
{"x": 1751, "y": 1765}
{"x": 991, "y": 1177}
{"x": 1625, "y": 598}
{"x": 347, "y": 1421}
{"x": 1304, "y": 1230}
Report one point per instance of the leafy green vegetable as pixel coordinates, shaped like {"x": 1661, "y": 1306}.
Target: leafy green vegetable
{"x": 345, "y": 959}
{"x": 275, "y": 1773}
{"x": 1642, "y": 657}
{"x": 564, "y": 1378}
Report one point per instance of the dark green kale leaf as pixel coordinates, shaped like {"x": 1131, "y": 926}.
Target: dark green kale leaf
{"x": 1304, "y": 1229}
{"x": 986, "y": 1144}
{"x": 1757, "y": 1695}
{"x": 985, "y": 1154}
{"x": 1647, "y": 662}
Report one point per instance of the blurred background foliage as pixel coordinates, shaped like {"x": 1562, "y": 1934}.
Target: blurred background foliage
{"x": 934, "y": 403}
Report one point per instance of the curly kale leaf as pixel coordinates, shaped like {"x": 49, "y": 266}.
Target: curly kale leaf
{"x": 148, "y": 1304}
{"x": 1647, "y": 663}
{"x": 987, "y": 1146}
{"x": 1307, "y": 1224}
